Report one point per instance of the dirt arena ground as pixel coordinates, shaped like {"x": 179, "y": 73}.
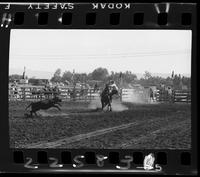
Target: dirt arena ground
{"x": 78, "y": 125}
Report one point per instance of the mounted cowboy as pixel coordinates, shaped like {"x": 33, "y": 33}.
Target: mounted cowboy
{"x": 113, "y": 87}
{"x": 106, "y": 96}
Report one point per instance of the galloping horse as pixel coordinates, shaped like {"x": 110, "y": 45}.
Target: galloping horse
{"x": 106, "y": 97}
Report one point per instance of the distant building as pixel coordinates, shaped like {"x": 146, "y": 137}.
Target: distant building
{"x": 137, "y": 86}
{"x": 34, "y": 81}
{"x": 23, "y": 81}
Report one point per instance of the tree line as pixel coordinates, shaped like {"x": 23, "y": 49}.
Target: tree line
{"x": 125, "y": 78}
{"x": 121, "y": 78}
{"x": 99, "y": 74}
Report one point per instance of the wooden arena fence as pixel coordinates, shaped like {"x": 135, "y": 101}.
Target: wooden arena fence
{"x": 67, "y": 93}
{"x": 176, "y": 96}
{"x": 143, "y": 95}
{"x": 126, "y": 95}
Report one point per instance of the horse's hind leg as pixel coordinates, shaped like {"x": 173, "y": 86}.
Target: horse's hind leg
{"x": 36, "y": 114}
{"x": 110, "y": 108}
{"x": 102, "y": 105}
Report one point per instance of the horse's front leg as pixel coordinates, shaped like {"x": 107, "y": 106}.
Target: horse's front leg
{"x": 110, "y": 108}
{"x": 110, "y": 99}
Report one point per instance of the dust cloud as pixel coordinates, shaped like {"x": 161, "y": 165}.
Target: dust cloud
{"x": 116, "y": 105}
{"x": 136, "y": 98}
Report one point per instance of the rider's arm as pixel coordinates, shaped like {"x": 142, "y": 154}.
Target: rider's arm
{"x": 115, "y": 86}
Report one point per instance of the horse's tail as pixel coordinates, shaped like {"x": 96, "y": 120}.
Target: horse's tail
{"x": 28, "y": 106}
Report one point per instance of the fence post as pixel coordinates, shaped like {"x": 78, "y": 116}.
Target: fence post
{"x": 173, "y": 96}
{"x": 90, "y": 94}
{"x": 84, "y": 94}
{"x": 24, "y": 94}
{"x": 74, "y": 94}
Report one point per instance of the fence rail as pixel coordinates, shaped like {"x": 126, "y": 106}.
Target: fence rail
{"x": 176, "y": 96}
{"x": 143, "y": 95}
{"x": 134, "y": 95}
{"x": 67, "y": 93}
{"x": 126, "y": 95}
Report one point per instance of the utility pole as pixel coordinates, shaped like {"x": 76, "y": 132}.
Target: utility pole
{"x": 121, "y": 84}
{"x": 23, "y": 76}
{"x": 74, "y": 85}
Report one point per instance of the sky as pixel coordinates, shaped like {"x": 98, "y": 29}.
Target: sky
{"x": 43, "y": 51}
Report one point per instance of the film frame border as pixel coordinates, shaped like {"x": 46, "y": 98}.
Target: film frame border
{"x": 79, "y": 19}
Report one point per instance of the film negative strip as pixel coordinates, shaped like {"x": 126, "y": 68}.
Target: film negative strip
{"x": 98, "y": 87}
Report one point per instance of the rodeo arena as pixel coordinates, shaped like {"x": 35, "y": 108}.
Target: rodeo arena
{"x": 86, "y": 115}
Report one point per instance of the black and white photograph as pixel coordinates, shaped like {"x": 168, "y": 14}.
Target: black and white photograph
{"x": 100, "y": 89}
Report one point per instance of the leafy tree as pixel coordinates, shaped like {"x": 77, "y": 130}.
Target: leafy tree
{"x": 147, "y": 75}
{"x": 67, "y": 76}
{"x": 100, "y": 74}
{"x": 15, "y": 77}
{"x": 186, "y": 81}
{"x": 57, "y": 76}
{"x": 128, "y": 76}
{"x": 81, "y": 77}
{"x": 177, "y": 81}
